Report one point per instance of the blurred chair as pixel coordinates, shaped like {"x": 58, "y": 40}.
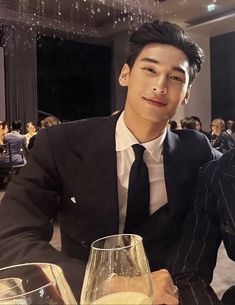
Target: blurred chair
{"x": 8, "y": 170}
{"x": 5, "y": 165}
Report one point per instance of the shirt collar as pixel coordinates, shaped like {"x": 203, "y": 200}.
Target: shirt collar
{"x": 125, "y": 139}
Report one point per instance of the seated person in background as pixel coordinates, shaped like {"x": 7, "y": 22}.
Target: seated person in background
{"x": 17, "y": 143}
{"x": 3, "y": 130}
{"x": 199, "y": 126}
{"x": 210, "y": 219}
{"x": 50, "y": 121}
{"x": 47, "y": 122}
{"x": 32, "y": 131}
{"x": 173, "y": 125}
{"x": 81, "y": 170}
{"x": 188, "y": 123}
{"x": 223, "y": 141}
{"x": 229, "y": 124}
{"x": 233, "y": 131}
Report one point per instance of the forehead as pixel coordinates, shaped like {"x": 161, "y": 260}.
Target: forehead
{"x": 165, "y": 55}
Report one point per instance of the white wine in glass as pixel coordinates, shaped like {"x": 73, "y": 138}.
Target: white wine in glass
{"x": 117, "y": 272}
{"x": 34, "y": 284}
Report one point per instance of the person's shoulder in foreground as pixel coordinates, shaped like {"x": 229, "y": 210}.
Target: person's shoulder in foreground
{"x": 219, "y": 175}
{"x": 196, "y": 144}
{"x": 210, "y": 219}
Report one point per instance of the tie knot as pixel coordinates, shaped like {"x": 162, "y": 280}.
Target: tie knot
{"x": 138, "y": 150}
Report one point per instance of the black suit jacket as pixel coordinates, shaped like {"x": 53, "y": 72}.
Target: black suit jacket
{"x": 224, "y": 142}
{"x": 76, "y": 162}
{"x": 219, "y": 179}
{"x": 210, "y": 219}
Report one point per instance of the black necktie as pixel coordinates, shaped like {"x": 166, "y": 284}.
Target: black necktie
{"x": 138, "y": 192}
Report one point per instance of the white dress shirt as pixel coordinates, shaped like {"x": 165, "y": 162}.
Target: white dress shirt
{"x": 154, "y": 161}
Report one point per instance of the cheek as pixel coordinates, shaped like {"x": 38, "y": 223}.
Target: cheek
{"x": 176, "y": 97}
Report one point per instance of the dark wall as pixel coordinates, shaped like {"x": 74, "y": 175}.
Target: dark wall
{"x": 74, "y": 79}
{"x": 223, "y": 76}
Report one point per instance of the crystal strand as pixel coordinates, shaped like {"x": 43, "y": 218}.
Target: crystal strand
{"x": 43, "y": 7}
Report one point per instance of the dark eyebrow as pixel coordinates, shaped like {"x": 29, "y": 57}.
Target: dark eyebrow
{"x": 154, "y": 61}
{"x": 150, "y": 60}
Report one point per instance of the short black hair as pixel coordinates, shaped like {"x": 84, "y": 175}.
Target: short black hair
{"x": 196, "y": 118}
{"x": 165, "y": 33}
{"x": 190, "y": 124}
{"x": 16, "y": 125}
{"x": 173, "y": 125}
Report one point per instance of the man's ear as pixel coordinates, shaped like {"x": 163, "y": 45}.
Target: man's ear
{"x": 124, "y": 76}
{"x": 187, "y": 95}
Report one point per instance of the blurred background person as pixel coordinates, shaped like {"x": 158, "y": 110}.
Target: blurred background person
{"x": 223, "y": 141}
{"x": 199, "y": 126}
{"x": 3, "y": 130}
{"x": 31, "y": 131}
{"x": 233, "y": 131}
{"x": 17, "y": 143}
{"x": 49, "y": 121}
{"x": 229, "y": 127}
{"x": 173, "y": 125}
{"x": 188, "y": 123}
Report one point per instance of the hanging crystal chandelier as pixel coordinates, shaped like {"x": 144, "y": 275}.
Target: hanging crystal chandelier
{"x": 95, "y": 18}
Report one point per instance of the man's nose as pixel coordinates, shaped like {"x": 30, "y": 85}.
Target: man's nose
{"x": 159, "y": 90}
{"x": 159, "y": 85}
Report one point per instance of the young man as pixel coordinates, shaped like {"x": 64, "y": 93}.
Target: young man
{"x": 85, "y": 177}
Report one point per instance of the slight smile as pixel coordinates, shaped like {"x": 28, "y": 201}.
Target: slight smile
{"x": 154, "y": 102}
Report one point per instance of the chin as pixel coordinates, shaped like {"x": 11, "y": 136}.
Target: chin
{"x": 155, "y": 120}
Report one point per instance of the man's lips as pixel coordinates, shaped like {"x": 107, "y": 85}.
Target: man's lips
{"x": 155, "y": 102}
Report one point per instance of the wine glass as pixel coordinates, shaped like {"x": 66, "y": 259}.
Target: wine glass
{"x": 34, "y": 284}
{"x": 117, "y": 272}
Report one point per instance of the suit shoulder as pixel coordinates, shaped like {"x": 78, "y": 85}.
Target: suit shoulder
{"x": 72, "y": 133}
{"x": 224, "y": 164}
{"x": 193, "y": 146}
{"x": 190, "y": 135}
{"x": 80, "y": 125}
{"x": 222, "y": 167}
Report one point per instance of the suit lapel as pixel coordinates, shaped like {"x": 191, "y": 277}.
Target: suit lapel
{"x": 97, "y": 173}
{"x": 172, "y": 168}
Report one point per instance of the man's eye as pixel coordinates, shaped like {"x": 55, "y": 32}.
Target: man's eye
{"x": 177, "y": 78}
{"x": 150, "y": 70}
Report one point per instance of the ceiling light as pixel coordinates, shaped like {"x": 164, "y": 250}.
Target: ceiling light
{"x": 211, "y": 7}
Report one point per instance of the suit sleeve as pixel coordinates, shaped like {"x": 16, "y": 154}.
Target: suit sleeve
{"x": 224, "y": 187}
{"x": 27, "y": 210}
{"x": 195, "y": 250}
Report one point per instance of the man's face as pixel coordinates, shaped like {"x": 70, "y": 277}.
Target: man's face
{"x": 157, "y": 83}
{"x": 198, "y": 125}
{"x": 31, "y": 128}
{"x": 3, "y": 131}
{"x": 215, "y": 127}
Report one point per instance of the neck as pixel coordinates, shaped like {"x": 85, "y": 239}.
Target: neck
{"x": 142, "y": 129}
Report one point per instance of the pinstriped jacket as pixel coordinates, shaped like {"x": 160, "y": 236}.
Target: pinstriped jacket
{"x": 210, "y": 219}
